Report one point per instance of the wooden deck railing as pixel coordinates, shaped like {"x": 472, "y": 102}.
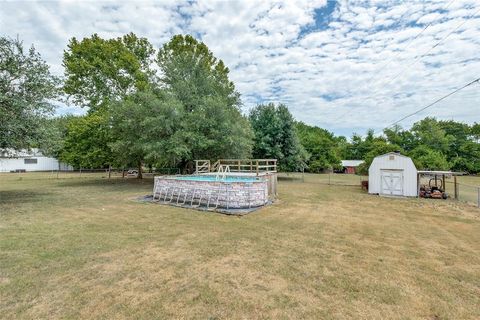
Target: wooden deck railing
{"x": 237, "y": 165}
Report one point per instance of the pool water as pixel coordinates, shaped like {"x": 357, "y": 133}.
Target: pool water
{"x": 221, "y": 179}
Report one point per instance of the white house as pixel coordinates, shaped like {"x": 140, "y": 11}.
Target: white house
{"x": 28, "y": 160}
{"x": 392, "y": 174}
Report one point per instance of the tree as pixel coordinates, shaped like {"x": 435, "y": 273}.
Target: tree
{"x": 428, "y": 132}
{"x": 426, "y": 158}
{"x": 212, "y": 124}
{"x": 100, "y": 71}
{"x": 26, "y": 84}
{"x": 52, "y": 135}
{"x": 87, "y": 141}
{"x": 275, "y": 136}
{"x": 192, "y": 72}
{"x": 145, "y": 127}
{"x": 402, "y": 138}
{"x": 322, "y": 147}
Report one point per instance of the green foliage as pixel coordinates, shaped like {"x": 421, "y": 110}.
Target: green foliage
{"x": 26, "y": 84}
{"x": 426, "y": 158}
{"x": 87, "y": 141}
{"x": 430, "y": 133}
{"x": 275, "y": 137}
{"x": 192, "y": 72}
{"x": 322, "y": 146}
{"x": 212, "y": 125}
{"x": 52, "y": 136}
{"x": 100, "y": 71}
{"x": 145, "y": 127}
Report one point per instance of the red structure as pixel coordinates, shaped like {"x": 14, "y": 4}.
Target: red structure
{"x": 350, "y": 166}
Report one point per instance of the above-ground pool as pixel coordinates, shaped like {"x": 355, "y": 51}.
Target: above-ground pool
{"x": 212, "y": 178}
{"x": 212, "y": 191}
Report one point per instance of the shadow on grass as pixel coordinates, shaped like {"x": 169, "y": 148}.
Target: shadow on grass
{"x": 115, "y": 182}
{"x": 22, "y": 196}
{"x": 291, "y": 178}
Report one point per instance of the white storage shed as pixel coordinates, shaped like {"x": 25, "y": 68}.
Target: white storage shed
{"x": 393, "y": 174}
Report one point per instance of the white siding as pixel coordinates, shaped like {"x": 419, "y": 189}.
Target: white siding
{"x": 399, "y": 162}
{"x": 43, "y": 164}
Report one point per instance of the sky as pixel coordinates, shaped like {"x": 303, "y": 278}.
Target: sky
{"x": 345, "y": 66}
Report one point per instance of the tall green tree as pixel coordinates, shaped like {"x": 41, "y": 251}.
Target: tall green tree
{"x": 192, "y": 72}
{"x": 87, "y": 141}
{"x": 26, "y": 85}
{"x": 430, "y": 133}
{"x": 426, "y": 158}
{"x": 322, "y": 147}
{"x": 276, "y": 137}
{"x": 212, "y": 124}
{"x": 53, "y": 132}
{"x": 146, "y": 128}
{"x": 99, "y": 71}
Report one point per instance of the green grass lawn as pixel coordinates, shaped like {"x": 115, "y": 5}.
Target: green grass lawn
{"x": 84, "y": 248}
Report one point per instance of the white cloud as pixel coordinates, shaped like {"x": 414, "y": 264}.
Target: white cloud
{"x": 334, "y": 72}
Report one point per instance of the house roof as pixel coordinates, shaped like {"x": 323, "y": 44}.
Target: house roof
{"x": 23, "y": 153}
{"x": 351, "y": 163}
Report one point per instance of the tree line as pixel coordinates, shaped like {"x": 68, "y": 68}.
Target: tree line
{"x": 165, "y": 107}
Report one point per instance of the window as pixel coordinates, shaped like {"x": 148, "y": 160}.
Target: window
{"x": 391, "y": 157}
{"x": 30, "y": 161}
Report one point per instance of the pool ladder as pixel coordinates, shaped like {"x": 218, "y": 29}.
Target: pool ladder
{"x": 179, "y": 196}
{"x": 222, "y": 172}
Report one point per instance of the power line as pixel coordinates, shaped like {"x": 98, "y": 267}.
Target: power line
{"x": 436, "y": 45}
{"x": 396, "y": 56}
{"x": 431, "y": 104}
{"x": 418, "y": 57}
{"x": 410, "y": 42}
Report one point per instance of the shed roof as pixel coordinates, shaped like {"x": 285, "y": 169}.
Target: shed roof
{"x": 394, "y": 153}
{"x": 351, "y": 163}
{"x": 439, "y": 173}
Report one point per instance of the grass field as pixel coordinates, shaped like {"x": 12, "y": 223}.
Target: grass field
{"x": 84, "y": 248}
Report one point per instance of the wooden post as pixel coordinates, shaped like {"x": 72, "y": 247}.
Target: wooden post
{"x": 418, "y": 185}
{"x": 239, "y": 166}
{"x": 123, "y": 173}
{"x": 455, "y": 187}
{"x": 80, "y": 171}
{"x": 257, "y": 167}
{"x": 478, "y": 199}
{"x": 109, "y": 171}
{"x": 443, "y": 183}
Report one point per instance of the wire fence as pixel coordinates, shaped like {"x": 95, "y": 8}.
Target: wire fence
{"x": 336, "y": 179}
{"x": 468, "y": 187}
{"x": 113, "y": 173}
{"x": 463, "y": 192}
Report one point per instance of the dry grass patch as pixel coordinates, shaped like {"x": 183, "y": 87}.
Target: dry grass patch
{"x": 81, "y": 248}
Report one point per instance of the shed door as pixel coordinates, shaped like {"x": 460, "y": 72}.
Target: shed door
{"x": 392, "y": 182}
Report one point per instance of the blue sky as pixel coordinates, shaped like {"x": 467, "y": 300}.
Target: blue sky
{"x": 342, "y": 65}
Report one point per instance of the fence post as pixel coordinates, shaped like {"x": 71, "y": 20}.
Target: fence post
{"x": 478, "y": 197}
{"x": 455, "y": 188}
